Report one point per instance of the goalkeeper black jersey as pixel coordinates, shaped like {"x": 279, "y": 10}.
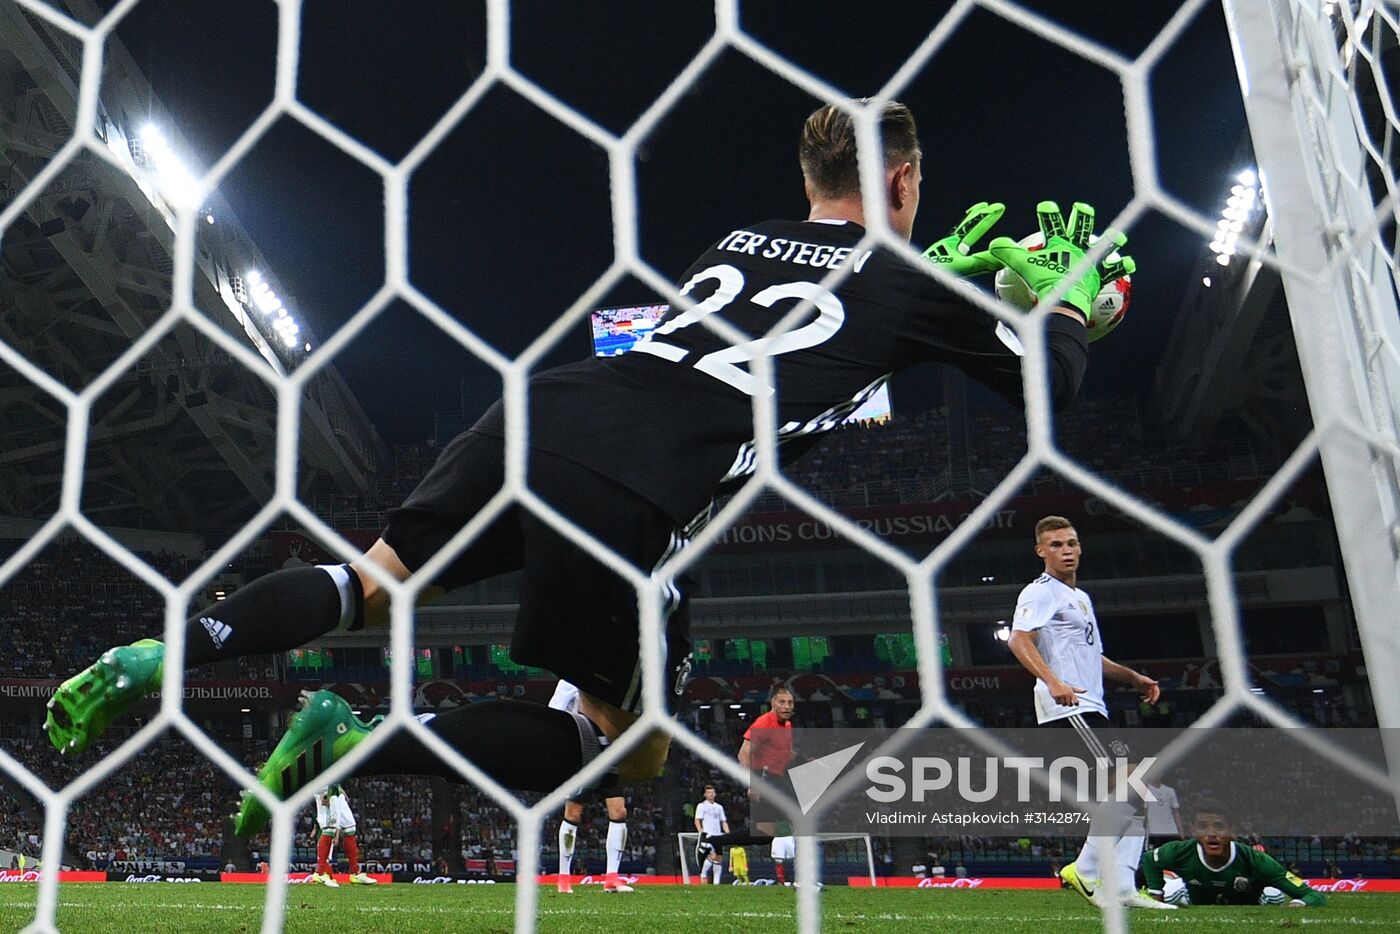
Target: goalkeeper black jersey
{"x": 673, "y": 417}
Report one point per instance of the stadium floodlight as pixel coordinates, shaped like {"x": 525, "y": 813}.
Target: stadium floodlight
{"x": 307, "y": 348}
{"x": 1205, "y": 281}
{"x": 1239, "y": 207}
{"x": 174, "y": 180}
{"x": 265, "y": 299}
{"x": 254, "y": 277}
{"x": 1003, "y": 632}
{"x": 735, "y": 706}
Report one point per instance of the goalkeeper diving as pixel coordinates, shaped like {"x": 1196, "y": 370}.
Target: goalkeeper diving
{"x": 631, "y": 450}
{"x": 1212, "y": 869}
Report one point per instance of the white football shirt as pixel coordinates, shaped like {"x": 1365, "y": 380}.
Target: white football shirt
{"x": 711, "y": 816}
{"x": 1068, "y": 639}
{"x": 1160, "y": 820}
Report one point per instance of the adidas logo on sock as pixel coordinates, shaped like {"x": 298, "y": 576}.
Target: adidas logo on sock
{"x": 218, "y": 630}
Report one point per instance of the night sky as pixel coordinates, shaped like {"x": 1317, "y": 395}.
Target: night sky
{"x": 510, "y": 216}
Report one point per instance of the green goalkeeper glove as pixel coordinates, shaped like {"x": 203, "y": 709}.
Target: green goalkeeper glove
{"x": 954, "y": 252}
{"x": 1065, "y": 245}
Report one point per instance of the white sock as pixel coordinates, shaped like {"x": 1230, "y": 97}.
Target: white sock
{"x": 718, "y": 872}
{"x": 1127, "y": 855}
{"x": 617, "y": 842}
{"x": 1087, "y": 864}
{"x": 567, "y": 834}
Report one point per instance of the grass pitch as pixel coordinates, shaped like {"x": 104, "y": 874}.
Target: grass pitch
{"x": 189, "y": 908}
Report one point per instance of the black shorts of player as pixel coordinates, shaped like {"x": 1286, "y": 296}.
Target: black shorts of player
{"x": 577, "y": 618}
{"x": 1098, "y": 734}
{"x": 1101, "y": 738}
{"x": 598, "y": 796}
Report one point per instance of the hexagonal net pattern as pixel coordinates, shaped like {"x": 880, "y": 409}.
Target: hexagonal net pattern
{"x": 1325, "y": 123}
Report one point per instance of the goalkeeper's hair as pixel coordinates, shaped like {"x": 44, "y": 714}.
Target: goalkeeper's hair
{"x": 828, "y": 149}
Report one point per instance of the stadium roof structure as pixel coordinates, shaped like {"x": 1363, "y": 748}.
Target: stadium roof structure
{"x": 1230, "y": 357}
{"x": 185, "y": 439}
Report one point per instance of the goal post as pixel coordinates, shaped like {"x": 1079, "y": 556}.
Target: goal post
{"x": 1329, "y": 226}
{"x": 840, "y": 856}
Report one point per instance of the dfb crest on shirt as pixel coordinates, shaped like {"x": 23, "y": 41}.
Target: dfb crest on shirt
{"x": 1083, "y": 607}
{"x": 1241, "y": 884}
{"x": 1118, "y": 749}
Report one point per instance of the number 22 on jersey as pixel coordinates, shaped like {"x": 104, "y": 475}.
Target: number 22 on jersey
{"x": 729, "y": 364}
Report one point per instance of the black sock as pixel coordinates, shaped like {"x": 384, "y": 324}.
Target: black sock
{"x": 525, "y": 746}
{"x": 284, "y": 610}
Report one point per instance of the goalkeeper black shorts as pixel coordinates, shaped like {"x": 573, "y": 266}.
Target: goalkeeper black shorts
{"x": 578, "y": 618}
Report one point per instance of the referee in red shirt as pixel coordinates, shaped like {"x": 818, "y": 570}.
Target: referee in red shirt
{"x": 768, "y": 741}
{"x": 767, "y": 750}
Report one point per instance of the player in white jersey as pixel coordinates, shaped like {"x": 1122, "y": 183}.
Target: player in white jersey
{"x": 710, "y": 820}
{"x": 1164, "y": 822}
{"x": 566, "y": 698}
{"x": 1055, "y": 636}
{"x": 337, "y": 822}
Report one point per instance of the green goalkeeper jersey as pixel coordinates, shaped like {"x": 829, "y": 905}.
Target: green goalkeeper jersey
{"x": 1238, "y": 882}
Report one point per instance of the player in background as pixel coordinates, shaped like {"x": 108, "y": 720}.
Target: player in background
{"x": 782, "y": 849}
{"x": 1164, "y": 823}
{"x": 1212, "y": 869}
{"x": 325, "y": 840}
{"x": 566, "y": 698}
{"x": 337, "y": 822}
{"x": 739, "y": 864}
{"x": 1055, "y": 636}
{"x": 710, "y": 819}
{"x": 668, "y": 424}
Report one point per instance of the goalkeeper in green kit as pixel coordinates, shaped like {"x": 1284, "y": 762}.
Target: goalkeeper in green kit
{"x": 1212, "y": 869}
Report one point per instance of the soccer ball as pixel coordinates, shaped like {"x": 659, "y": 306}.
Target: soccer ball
{"x": 1109, "y": 307}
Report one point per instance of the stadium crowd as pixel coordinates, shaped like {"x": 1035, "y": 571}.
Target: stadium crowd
{"x": 136, "y": 814}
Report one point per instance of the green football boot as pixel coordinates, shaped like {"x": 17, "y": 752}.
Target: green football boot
{"x": 321, "y": 733}
{"x": 83, "y": 705}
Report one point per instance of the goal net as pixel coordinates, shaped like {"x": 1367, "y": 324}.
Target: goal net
{"x": 143, "y": 271}
{"x": 840, "y": 858}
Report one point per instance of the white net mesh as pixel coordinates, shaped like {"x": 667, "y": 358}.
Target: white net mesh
{"x": 1315, "y": 74}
